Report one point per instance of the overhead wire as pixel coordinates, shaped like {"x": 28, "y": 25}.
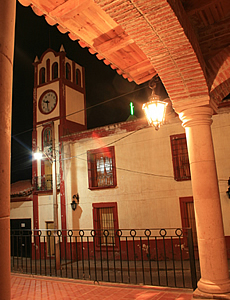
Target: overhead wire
{"x": 113, "y": 142}
{"x": 85, "y": 109}
{"x": 118, "y": 168}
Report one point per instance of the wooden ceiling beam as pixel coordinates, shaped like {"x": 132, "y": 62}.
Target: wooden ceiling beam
{"x": 197, "y": 5}
{"x": 70, "y": 7}
{"x": 140, "y": 67}
{"x": 114, "y": 44}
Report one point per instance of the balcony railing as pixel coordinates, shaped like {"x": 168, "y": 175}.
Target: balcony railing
{"x": 45, "y": 182}
{"x": 163, "y": 257}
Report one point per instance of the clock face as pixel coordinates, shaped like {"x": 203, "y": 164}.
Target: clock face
{"x": 48, "y": 102}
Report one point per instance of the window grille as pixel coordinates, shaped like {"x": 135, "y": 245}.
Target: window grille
{"x": 104, "y": 172}
{"x": 105, "y": 223}
{"x": 101, "y": 168}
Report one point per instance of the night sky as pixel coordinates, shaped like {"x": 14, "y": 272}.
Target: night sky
{"x": 33, "y": 36}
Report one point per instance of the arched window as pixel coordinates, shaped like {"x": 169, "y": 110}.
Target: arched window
{"x": 55, "y": 70}
{"x": 78, "y": 77}
{"x": 68, "y": 71}
{"x": 46, "y": 167}
{"x": 48, "y": 70}
{"x": 42, "y": 75}
{"x": 47, "y": 138}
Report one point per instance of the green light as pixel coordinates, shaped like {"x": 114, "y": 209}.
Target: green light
{"x": 131, "y": 108}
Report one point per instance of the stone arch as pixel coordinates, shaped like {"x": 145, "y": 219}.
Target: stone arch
{"x": 161, "y": 30}
{"x": 219, "y": 79}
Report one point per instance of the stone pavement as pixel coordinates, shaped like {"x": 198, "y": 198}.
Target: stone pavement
{"x": 31, "y": 287}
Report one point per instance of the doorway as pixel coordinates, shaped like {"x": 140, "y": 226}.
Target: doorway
{"x": 50, "y": 238}
{"x": 188, "y": 216}
{"x": 20, "y": 232}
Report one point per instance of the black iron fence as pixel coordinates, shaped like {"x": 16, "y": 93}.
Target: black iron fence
{"x": 45, "y": 182}
{"x": 163, "y": 257}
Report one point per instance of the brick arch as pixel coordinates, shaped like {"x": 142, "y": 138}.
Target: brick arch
{"x": 162, "y": 31}
{"x": 160, "y": 28}
{"x": 219, "y": 78}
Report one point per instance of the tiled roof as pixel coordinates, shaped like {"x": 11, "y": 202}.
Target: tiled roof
{"x": 21, "y": 188}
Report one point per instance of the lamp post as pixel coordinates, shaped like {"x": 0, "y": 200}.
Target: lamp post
{"x": 54, "y": 177}
{"x": 38, "y": 156}
{"x": 55, "y": 204}
{"x": 155, "y": 109}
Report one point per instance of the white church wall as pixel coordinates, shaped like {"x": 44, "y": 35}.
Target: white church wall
{"x": 22, "y": 210}
{"x": 46, "y": 210}
{"x": 221, "y": 140}
{"x": 147, "y": 195}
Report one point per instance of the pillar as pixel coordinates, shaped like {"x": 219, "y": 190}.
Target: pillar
{"x": 7, "y": 25}
{"x": 211, "y": 241}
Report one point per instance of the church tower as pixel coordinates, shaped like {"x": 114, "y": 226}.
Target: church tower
{"x": 59, "y": 103}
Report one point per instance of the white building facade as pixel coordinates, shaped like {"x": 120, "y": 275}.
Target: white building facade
{"x": 151, "y": 186}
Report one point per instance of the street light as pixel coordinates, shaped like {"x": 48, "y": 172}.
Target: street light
{"x": 155, "y": 109}
{"x": 38, "y": 155}
{"x": 52, "y": 159}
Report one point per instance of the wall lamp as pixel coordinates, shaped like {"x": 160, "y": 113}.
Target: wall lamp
{"x": 75, "y": 203}
{"x": 155, "y": 109}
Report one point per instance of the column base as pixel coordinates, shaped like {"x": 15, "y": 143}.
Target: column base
{"x": 212, "y": 290}
{"x": 217, "y": 287}
{"x": 197, "y": 294}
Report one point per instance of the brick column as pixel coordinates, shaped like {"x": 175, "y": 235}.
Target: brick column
{"x": 209, "y": 223}
{"x": 7, "y": 25}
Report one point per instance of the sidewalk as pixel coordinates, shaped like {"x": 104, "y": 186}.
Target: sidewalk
{"x": 30, "y": 287}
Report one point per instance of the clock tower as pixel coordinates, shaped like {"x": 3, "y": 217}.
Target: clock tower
{"x": 58, "y": 110}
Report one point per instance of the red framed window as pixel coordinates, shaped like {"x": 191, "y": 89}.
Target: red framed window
{"x": 101, "y": 168}
{"x": 180, "y": 157}
{"x": 105, "y": 221}
{"x": 188, "y": 216}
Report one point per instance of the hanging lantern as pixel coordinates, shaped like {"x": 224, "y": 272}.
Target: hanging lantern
{"x": 155, "y": 109}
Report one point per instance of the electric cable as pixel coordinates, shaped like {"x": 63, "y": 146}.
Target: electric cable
{"x": 85, "y": 109}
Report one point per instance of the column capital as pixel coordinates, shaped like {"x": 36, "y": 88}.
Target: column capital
{"x": 201, "y": 115}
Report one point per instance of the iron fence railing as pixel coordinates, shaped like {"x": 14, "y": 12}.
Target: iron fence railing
{"x": 163, "y": 257}
{"x": 45, "y": 182}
